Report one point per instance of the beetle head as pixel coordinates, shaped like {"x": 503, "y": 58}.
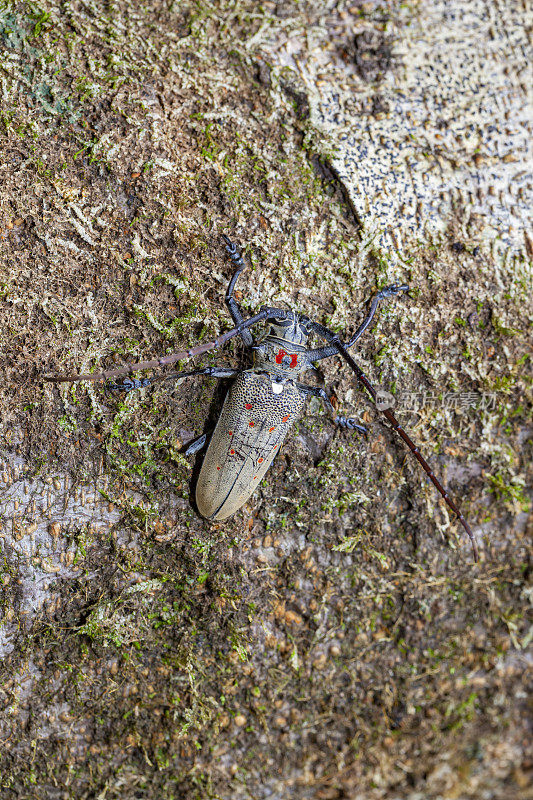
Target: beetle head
{"x": 289, "y": 328}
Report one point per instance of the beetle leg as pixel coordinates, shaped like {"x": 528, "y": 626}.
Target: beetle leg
{"x": 196, "y": 445}
{"x": 342, "y": 422}
{"x": 329, "y": 350}
{"x": 388, "y": 291}
{"x": 136, "y": 383}
{"x": 213, "y": 372}
{"x": 127, "y": 385}
{"x": 233, "y": 306}
{"x": 351, "y": 424}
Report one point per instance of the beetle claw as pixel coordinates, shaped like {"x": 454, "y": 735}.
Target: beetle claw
{"x": 396, "y": 288}
{"x": 351, "y": 424}
{"x": 196, "y": 445}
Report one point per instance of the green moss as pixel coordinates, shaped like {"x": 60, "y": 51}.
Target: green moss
{"x": 510, "y": 490}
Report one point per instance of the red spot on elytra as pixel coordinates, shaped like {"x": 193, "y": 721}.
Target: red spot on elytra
{"x": 260, "y": 460}
{"x": 271, "y": 429}
{"x": 248, "y": 405}
{"x": 232, "y": 452}
{"x": 251, "y": 424}
{"x": 230, "y": 433}
{"x": 218, "y": 467}
{"x": 285, "y": 418}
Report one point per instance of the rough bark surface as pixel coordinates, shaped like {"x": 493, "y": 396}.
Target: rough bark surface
{"x": 333, "y": 639}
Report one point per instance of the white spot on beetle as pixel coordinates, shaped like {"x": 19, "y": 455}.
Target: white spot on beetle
{"x": 277, "y": 388}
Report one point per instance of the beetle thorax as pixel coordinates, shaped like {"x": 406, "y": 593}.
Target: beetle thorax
{"x": 280, "y": 357}
{"x": 282, "y": 351}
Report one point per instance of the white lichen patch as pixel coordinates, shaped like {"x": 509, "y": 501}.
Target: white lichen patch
{"x": 426, "y": 111}
{"x": 41, "y": 541}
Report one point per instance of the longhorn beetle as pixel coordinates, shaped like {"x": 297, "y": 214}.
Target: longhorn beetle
{"x": 264, "y": 401}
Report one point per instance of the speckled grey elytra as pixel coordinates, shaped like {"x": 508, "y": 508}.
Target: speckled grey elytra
{"x": 254, "y": 421}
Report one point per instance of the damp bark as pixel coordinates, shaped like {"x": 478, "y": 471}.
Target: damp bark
{"x": 333, "y": 638}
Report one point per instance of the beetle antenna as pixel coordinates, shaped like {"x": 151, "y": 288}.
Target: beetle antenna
{"x": 181, "y": 355}
{"x": 265, "y": 312}
{"x": 341, "y": 349}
